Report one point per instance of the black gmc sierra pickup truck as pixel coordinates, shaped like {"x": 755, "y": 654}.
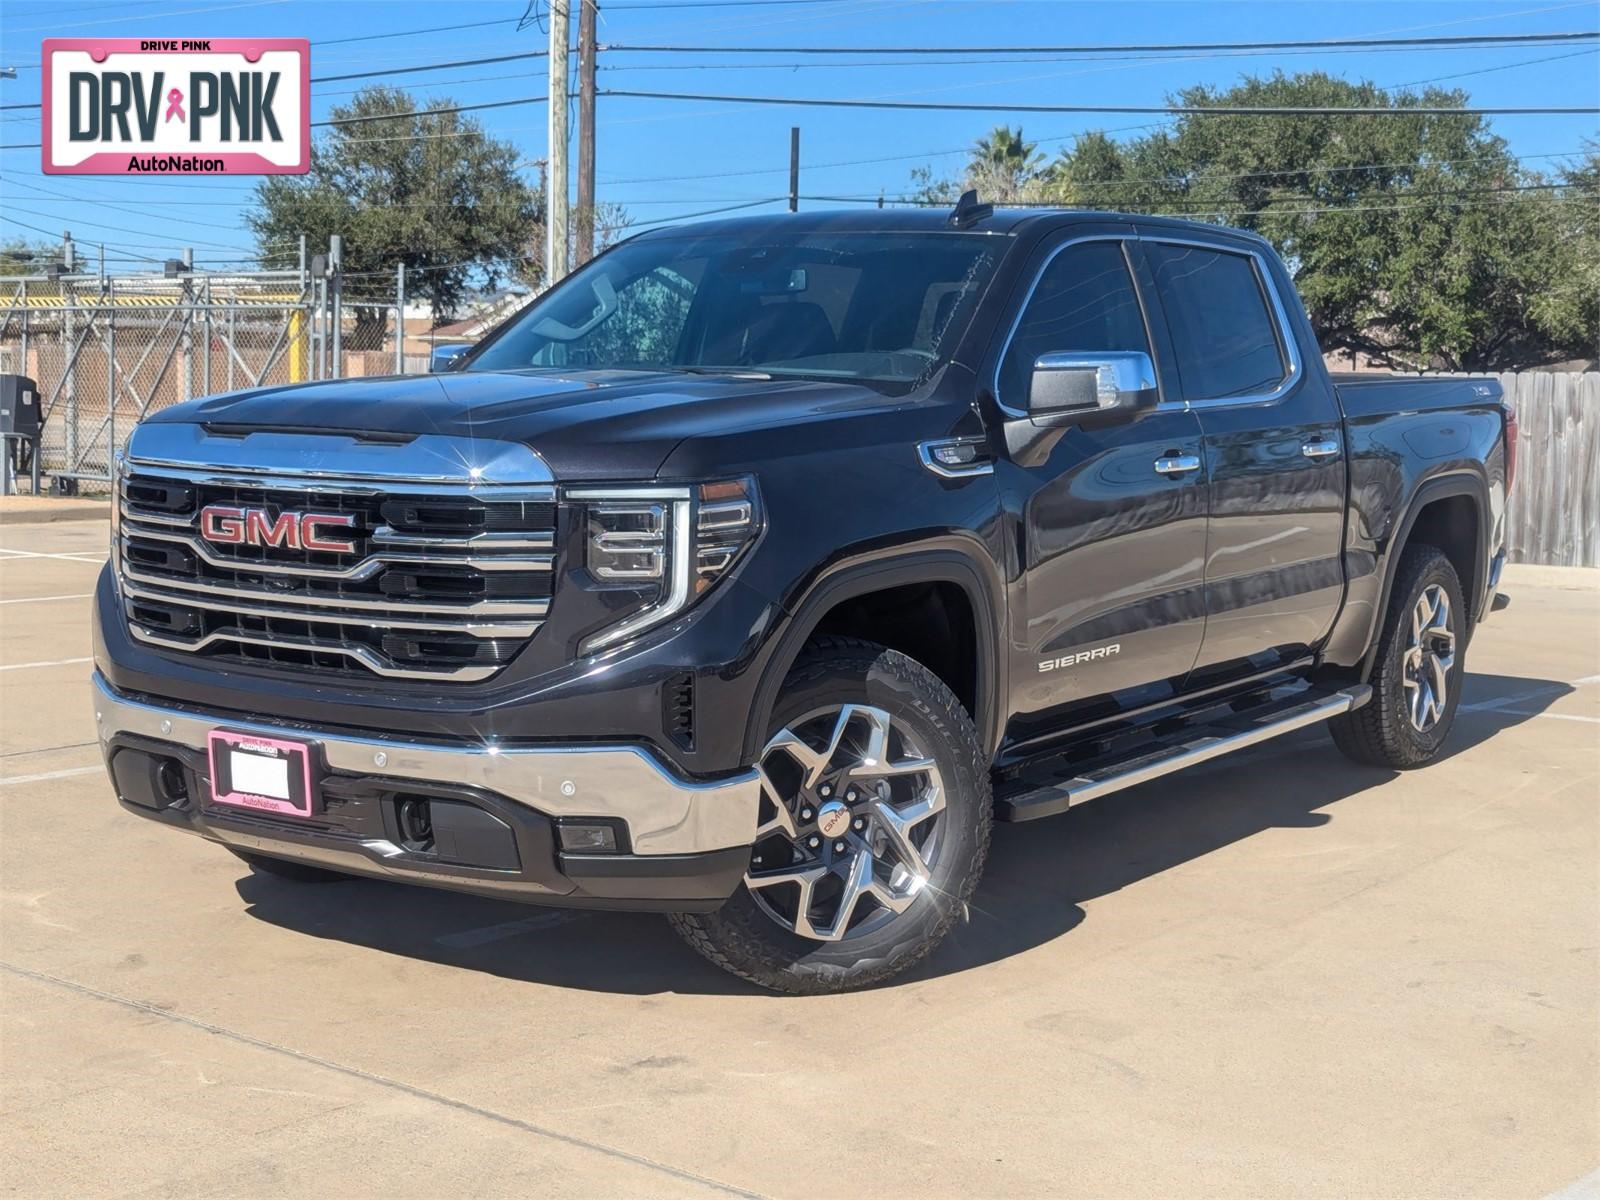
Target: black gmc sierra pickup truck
{"x": 751, "y": 572}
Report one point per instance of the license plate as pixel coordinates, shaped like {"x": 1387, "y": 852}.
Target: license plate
{"x": 269, "y": 774}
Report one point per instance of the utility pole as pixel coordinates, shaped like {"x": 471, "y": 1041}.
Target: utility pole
{"x": 555, "y": 199}
{"x": 794, "y": 168}
{"x": 586, "y": 56}
{"x": 187, "y": 335}
{"x": 336, "y": 276}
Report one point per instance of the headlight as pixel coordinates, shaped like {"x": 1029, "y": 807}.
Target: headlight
{"x": 667, "y": 544}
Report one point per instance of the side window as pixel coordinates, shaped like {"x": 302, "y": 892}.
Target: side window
{"x": 643, "y": 329}
{"x": 1084, "y": 301}
{"x": 1223, "y": 333}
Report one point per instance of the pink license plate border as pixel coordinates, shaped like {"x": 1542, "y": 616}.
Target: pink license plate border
{"x": 228, "y": 740}
{"x": 115, "y": 162}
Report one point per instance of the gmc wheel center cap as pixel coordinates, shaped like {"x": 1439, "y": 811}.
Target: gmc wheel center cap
{"x": 833, "y": 819}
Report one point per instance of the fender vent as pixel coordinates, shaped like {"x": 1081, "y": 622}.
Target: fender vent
{"x": 678, "y": 709}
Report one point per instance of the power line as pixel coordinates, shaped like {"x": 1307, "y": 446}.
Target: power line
{"x": 439, "y": 66}
{"x": 184, "y": 12}
{"x": 857, "y": 64}
{"x": 1422, "y": 200}
{"x": 370, "y": 117}
{"x": 1477, "y": 41}
{"x": 1414, "y": 193}
{"x": 429, "y": 112}
{"x": 398, "y": 33}
{"x": 678, "y": 4}
{"x": 115, "y": 228}
{"x": 708, "y": 212}
{"x": 52, "y": 193}
{"x": 1176, "y": 110}
{"x": 52, "y": 234}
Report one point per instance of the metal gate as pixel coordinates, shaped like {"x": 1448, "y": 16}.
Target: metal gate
{"x": 106, "y": 350}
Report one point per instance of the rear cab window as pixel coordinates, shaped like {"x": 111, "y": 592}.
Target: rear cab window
{"x": 1225, "y": 337}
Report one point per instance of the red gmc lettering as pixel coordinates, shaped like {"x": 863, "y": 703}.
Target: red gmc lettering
{"x": 308, "y": 532}
{"x": 219, "y": 523}
{"x": 282, "y": 532}
{"x": 231, "y": 526}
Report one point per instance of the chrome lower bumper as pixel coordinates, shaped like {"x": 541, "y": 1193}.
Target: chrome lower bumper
{"x": 664, "y": 815}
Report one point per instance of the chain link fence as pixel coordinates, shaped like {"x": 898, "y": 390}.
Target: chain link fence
{"x": 107, "y": 350}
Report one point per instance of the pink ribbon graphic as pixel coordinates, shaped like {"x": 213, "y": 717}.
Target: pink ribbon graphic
{"x": 175, "y": 105}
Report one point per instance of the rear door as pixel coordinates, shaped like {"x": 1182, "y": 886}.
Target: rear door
{"x": 1112, "y": 546}
{"x": 1276, "y": 463}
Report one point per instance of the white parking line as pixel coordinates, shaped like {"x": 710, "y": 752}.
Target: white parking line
{"x": 83, "y": 556}
{"x": 60, "y": 662}
{"x": 42, "y": 599}
{"x": 10, "y": 780}
{"x": 1503, "y": 703}
{"x": 1548, "y": 716}
{"x": 1587, "y": 1188}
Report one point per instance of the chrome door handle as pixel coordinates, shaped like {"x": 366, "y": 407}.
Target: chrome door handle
{"x": 1321, "y": 448}
{"x": 1178, "y": 464}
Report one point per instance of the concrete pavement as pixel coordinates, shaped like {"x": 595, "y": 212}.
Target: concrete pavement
{"x": 1278, "y": 974}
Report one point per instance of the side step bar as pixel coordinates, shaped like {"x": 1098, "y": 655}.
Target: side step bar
{"x": 1195, "y": 745}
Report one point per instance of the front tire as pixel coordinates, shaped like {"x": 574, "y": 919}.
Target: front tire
{"x": 1416, "y": 678}
{"x": 875, "y": 821}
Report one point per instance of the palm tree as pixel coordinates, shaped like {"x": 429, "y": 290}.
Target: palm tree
{"x": 1002, "y": 164}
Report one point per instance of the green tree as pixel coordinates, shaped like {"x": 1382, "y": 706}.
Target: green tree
{"x": 1004, "y": 166}
{"x": 18, "y": 256}
{"x": 1415, "y": 238}
{"x": 423, "y": 187}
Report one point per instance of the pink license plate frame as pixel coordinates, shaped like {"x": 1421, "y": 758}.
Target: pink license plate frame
{"x": 220, "y": 744}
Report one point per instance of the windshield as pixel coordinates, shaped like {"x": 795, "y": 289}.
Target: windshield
{"x": 878, "y": 308}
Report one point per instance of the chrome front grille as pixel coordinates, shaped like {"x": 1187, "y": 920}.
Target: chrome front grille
{"x": 434, "y": 579}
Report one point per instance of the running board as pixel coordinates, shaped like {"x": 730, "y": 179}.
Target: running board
{"x": 1027, "y": 800}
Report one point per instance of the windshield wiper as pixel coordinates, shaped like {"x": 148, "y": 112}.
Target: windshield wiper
{"x": 736, "y": 372}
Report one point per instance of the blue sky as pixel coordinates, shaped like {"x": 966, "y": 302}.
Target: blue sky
{"x": 663, "y": 158}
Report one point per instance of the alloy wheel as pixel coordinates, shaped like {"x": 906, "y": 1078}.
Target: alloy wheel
{"x": 851, "y": 823}
{"x": 1430, "y": 654}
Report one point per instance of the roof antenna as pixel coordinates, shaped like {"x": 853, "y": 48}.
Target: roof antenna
{"x": 968, "y": 211}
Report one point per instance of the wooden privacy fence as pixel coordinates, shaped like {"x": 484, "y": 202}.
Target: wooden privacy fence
{"x": 1554, "y": 513}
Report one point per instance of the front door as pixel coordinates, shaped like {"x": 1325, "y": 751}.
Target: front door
{"x": 1112, "y": 520}
{"x": 1274, "y": 576}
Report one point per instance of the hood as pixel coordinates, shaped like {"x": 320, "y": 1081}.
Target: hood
{"x": 585, "y": 425}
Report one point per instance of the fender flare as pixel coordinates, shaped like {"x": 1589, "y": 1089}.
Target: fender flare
{"x": 1438, "y": 487}
{"x": 956, "y": 559}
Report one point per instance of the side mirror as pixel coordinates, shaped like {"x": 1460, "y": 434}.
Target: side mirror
{"x": 1103, "y": 387}
{"x": 443, "y": 357}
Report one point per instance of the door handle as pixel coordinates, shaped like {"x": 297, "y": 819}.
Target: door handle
{"x": 1321, "y": 448}
{"x": 1177, "y": 464}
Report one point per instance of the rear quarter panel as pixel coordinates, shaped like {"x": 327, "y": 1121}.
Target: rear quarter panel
{"x": 1411, "y": 440}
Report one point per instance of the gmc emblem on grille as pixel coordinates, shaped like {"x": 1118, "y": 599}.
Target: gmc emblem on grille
{"x": 256, "y": 527}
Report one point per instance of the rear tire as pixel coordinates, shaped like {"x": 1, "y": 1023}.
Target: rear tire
{"x": 282, "y": 868}
{"x": 1421, "y": 652}
{"x": 874, "y": 827}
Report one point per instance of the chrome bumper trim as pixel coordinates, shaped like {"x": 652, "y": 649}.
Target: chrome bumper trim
{"x": 664, "y": 814}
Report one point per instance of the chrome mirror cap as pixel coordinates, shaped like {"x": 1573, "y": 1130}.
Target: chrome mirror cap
{"x": 1106, "y": 382}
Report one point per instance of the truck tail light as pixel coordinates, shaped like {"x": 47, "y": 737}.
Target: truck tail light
{"x": 1511, "y": 446}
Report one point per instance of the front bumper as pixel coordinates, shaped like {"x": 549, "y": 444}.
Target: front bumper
{"x": 497, "y": 810}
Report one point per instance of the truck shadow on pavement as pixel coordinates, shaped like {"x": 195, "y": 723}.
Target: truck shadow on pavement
{"x": 1039, "y": 875}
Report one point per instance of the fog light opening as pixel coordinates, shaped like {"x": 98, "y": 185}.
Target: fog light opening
{"x": 416, "y": 825}
{"x": 585, "y": 836}
{"x": 171, "y": 781}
